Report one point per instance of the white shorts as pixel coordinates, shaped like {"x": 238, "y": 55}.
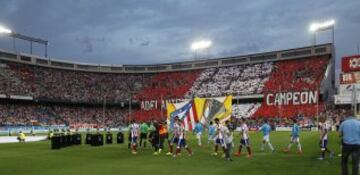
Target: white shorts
{"x": 211, "y": 137}
{"x": 295, "y": 139}
{"x": 198, "y": 135}
{"x": 266, "y": 138}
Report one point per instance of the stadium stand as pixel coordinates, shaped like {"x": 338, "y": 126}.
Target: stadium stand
{"x": 284, "y": 71}
{"x": 169, "y": 85}
{"x": 147, "y": 115}
{"x": 14, "y": 78}
{"x": 297, "y": 75}
{"x": 251, "y": 79}
{"x": 294, "y": 75}
{"x": 235, "y": 80}
{"x": 70, "y": 86}
{"x": 36, "y": 114}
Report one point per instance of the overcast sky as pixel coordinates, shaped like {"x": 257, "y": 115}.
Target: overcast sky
{"x": 158, "y": 31}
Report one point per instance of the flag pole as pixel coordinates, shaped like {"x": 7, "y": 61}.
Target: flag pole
{"x": 279, "y": 103}
{"x": 317, "y": 103}
{"x": 161, "y": 106}
{"x": 354, "y": 100}
{"x": 129, "y": 118}
{"x": 104, "y": 108}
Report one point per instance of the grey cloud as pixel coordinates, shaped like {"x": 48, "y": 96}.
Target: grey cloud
{"x": 143, "y": 42}
{"x": 89, "y": 42}
{"x": 247, "y": 48}
{"x": 142, "y": 31}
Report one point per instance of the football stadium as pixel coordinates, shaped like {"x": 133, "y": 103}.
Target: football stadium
{"x": 292, "y": 110}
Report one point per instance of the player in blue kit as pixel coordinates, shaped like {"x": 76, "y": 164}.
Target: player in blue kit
{"x": 211, "y": 132}
{"x": 295, "y": 137}
{"x": 198, "y": 131}
{"x": 266, "y": 129}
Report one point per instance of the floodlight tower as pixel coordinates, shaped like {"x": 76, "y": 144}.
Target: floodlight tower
{"x": 14, "y": 35}
{"x": 199, "y": 46}
{"x": 325, "y": 26}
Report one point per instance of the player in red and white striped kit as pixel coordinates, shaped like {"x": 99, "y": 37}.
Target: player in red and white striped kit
{"x": 135, "y": 130}
{"x": 179, "y": 137}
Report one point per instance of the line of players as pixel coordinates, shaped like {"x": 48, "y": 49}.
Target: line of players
{"x": 220, "y": 134}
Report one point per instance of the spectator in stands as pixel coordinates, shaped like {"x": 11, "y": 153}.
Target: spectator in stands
{"x": 31, "y": 114}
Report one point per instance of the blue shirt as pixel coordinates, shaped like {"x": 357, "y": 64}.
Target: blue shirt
{"x": 265, "y": 129}
{"x": 295, "y": 131}
{"x": 212, "y": 129}
{"x": 198, "y": 128}
{"x": 350, "y": 130}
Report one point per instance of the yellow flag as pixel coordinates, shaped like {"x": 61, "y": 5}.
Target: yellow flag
{"x": 199, "y": 107}
{"x": 225, "y": 114}
{"x": 170, "y": 107}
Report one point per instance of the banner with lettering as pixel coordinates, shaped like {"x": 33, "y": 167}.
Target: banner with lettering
{"x": 350, "y": 63}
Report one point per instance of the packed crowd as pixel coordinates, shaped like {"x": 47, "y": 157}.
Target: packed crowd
{"x": 77, "y": 86}
{"x": 294, "y": 76}
{"x": 170, "y": 85}
{"x": 236, "y": 80}
{"x": 305, "y": 118}
{"x": 14, "y": 82}
{"x": 289, "y": 111}
{"x": 65, "y": 85}
{"x": 251, "y": 79}
{"x": 35, "y": 114}
{"x": 297, "y": 75}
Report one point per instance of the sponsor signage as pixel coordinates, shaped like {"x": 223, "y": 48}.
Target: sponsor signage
{"x": 350, "y": 63}
{"x": 157, "y": 104}
{"x": 340, "y": 99}
{"x": 346, "y": 89}
{"x": 346, "y": 94}
{"x": 350, "y": 78}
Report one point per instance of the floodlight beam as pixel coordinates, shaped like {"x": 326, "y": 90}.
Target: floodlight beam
{"x": 315, "y": 27}
{"x": 4, "y": 30}
{"x": 200, "y": 45}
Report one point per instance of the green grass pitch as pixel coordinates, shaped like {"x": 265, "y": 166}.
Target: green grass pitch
{"x": 38, "y": 159}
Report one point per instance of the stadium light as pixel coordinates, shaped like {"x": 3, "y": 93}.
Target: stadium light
{"x": 4, "y": 30}
{"x": 15, "y": 35}
{"x": 314, "y": 27}
{"x": 201, "y": 45}
{"x": 323, "y": 26}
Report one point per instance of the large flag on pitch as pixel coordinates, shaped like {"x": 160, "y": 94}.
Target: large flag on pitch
{"x": 201, "y": 110}
{"x": 219, "y": 108}
{"x": 186, "y": 112}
